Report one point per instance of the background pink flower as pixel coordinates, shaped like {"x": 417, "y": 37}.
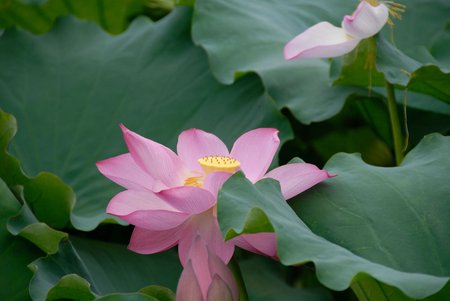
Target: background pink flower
{"x": 326, "y": 40}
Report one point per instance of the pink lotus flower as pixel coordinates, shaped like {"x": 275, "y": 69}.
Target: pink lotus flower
{"x": 171, "y": 199}
{"x": 326, "y": 40}
{"x": 163, "y": 192}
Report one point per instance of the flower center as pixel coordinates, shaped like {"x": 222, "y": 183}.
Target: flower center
{"x": 219, "y": 163}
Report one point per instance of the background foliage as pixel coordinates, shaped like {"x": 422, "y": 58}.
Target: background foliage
{"x": 71, "y": 71}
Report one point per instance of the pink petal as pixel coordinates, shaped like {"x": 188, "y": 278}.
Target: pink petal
{"x": 157, "y": 220}
{"x": 157, "y": 160}
{"x": 207, "y": 266}
{"x": 188, "y": 288}
{"x": 206, "y": 227}
{"x": 194, "y": 144}
{"x": 146, "y": 210}
{"x": 320, "y": 41}
{"x": 214, "y": 181}
{"x": 297, "y": 177}
{"x": 264, "y": 243}
{"x": 219, "y": 290}
{"x": 129, "y": 201}
{"x": 125, "y": 172}
{"x": 145, "y": 241}
{"x": 255, "y": 151}
{"x": 198, "y": 255}
{"x": 223, "y": 275}
{"x": 188, "y": 199}
{"x": 366, "y": 20}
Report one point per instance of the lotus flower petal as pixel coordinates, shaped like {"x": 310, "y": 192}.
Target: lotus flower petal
{"x": 124, "y": 171}
{"x": 255, "y": 151}
{"x": 320, "y": 41}
{"x": 297, "y": 177}
{"x": 219, "y": 290}
{"x": 129, "y": 201}
{"x": 145, "y": 241}
{"x": 194, "y": 144}
{"x": 188, "y": 288}
{"x": 146, "y": 210}
{"x": 366, "y": 20}
{"x": 188, "y": 199}
{"x": 264, "y": 243}
{"x": 206, "y": 227}
{"x": 214, "y": 181}
{"x": 207, "y": 273}
{"x": 157, "y": 160}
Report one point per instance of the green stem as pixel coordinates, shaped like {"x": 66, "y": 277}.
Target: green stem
{"x": 395, "y": 123}
{"x": 234, "y": 266}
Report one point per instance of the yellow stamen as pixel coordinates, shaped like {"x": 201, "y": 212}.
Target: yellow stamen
{"x": 219, "y": 163}
{"x": 373, "y": 2}
{"x": 194, "y": 181}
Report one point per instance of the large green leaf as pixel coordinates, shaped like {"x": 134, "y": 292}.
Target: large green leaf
{"x": 84, "y": 268}
{"x": 267, "y": 284}
{"x": 401, "y": 69}
{"x": 28, "y": 226}
{"x": 50, "y": 199}
{"x": 389, "y": 223}
{"x": 70, "y": 89}
{"x": 113, "y": 15}
{"x": 242, "y": 36}
{"x": 15, "y": 253}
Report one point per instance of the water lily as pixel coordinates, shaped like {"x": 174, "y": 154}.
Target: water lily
{"x": 167, "y": 190}
{"x": 326, "y": 40}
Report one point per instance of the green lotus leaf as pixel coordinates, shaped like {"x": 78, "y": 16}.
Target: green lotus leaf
{"x": 69, "y": 99}
{"x": 28, "y": 226}
{"x": 50, "y": 199}
{"x": 39, "y": 16}
{"x": 84, "y": 268}
{"x": 249, "y": 36}
{"x": 386, "y": 223}
{"x": 15, "y": 252}
{"x": 246, "y": 36}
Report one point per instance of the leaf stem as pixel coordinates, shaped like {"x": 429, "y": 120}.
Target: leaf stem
{"x": 395, "y": 123}
{"x": 234, "y": 266}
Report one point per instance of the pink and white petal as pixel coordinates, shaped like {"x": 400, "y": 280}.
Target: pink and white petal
{"x": 157, "y": 160}
{"x": 124, "y": 171}
{"x": 214, "y": 181}
{"x": 322, "y": 40}
{"x": 145, "y": 241}
{"x": 188, "y": 199}
{"x": 297, "y": 177}
{"x": 366, "y": 20}
{"x": 188, "y": 288}
{"x": 264, "y": 243}
{"x": 129, "y": 201}
{"x": 255, "y": 151}
{"x": 194, "y": 144}
{"x": 219, "y": 290}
